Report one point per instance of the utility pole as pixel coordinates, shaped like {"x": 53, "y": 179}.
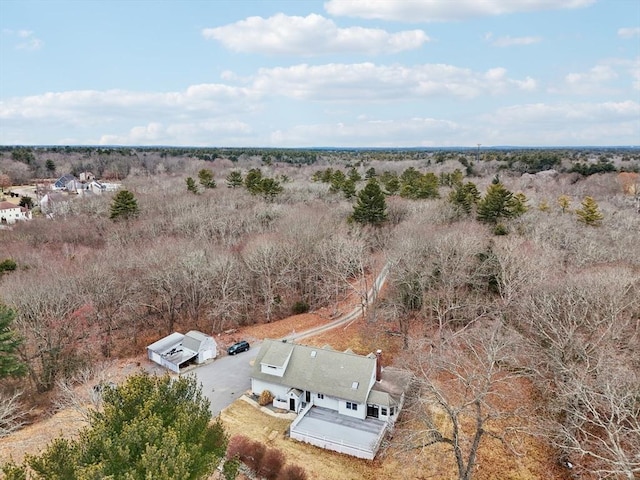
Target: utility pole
{"x": 478, "y": 154}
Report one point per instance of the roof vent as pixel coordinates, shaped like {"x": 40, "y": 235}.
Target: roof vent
{"x": 354, "y": 385}
{"x": 313, "y": 353}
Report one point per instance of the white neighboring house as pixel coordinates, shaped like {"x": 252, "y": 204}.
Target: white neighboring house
{"x": 345, "y": 402}
{"x": 176, "y": 351}
{"x": 11, "y": 213}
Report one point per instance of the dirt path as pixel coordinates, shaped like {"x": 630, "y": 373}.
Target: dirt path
{"x": 351, "y": 316}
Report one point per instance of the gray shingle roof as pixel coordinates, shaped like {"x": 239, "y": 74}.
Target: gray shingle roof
{"x": 327, "y": 371}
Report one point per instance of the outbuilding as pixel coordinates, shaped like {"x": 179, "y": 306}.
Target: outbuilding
{"x": 176, "y": 351}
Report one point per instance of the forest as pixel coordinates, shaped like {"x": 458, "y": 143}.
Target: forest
{"x": 513, "y": 274}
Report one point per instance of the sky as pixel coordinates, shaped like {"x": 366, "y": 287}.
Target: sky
{"x": 334, "y": 73}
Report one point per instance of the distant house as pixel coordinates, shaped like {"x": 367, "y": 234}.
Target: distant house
{"x": 177, "y": 351}
{"x": 11, "y": 213}
{"x": 66, "y": 181}
{"x": 345, "y": 402}
{"x": 86, "y": 177}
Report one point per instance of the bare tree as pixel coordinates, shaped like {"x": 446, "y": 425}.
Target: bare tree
{"x": 585, "y": 333}
{"x": 12, "y": 412}
{"x": 271, "y": 266}
{"x": 48, "y": 318}
{"x": 465, "y": 384}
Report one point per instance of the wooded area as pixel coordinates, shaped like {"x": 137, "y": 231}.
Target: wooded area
{"x": 504, "y": 277}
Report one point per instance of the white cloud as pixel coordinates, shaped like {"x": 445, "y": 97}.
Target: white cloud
{"x": 310, "y": 35}
{"x": 442, "y": 10}
{"x": 607, "y": 123}
{"x": 602, "y": 78}
{"x": 80, "y": 106}
{"x": 368, "y": 81}
{"x": 203, "y": 133}
{"x": 25, "y": 39}
{"x": 372, "y": 132}
{"x": 629, "y": 32}
{"x": 508, "y": 41}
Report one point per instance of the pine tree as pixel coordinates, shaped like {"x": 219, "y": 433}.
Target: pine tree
{"x": 124, "y": 206}
{"x": 465, "y": 197}
{"x": 191, "y": 185}
{"x": 10, "y": 364}
{"x": 590, "y": 213}
{"x": 50, "y": 166}
{"x": 497, "y": 203}
{"x": 270, "y": 188}
{"x": 206, "y": 178}
{"x": 150, "y": 427}
{"x": 564, "y": 201}
{"x": 234, "y": 179}
{"x": 253, "y": 181}
{"x": 371, "y": 206}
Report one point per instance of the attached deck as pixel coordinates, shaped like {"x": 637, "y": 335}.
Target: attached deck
{"x": 328, "y": 429}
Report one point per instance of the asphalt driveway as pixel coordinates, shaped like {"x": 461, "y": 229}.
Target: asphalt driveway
{"x": 226, "y": 378}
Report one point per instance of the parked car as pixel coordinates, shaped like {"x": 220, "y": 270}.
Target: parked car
{"x": 241, "y": 346}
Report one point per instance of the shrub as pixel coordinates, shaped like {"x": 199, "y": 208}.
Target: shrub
{"x": 300, "y": 307}
{"x": 239, "y": 446}
{"x": 292, "y": 472}
{"x": 230, "y": 468}
{"x": 7, "y": 265}
{"x": 266, "y": 397}
{"x": 500, "y": 229}
{"x": 272, "y": 463}
{"x": 253, "y": 459}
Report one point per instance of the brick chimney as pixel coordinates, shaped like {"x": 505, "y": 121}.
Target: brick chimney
{"x": 378, "y": 365}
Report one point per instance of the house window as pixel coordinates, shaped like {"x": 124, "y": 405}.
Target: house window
{"x": 383, "y": 411}
{"x": 352, "y": 406}
{"x": 321, "y": 396}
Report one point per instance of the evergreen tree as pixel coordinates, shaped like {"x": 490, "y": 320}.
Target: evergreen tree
{"x": 370, "y": 173}
{"x": 50, "y": 166}
{"x": 564, "y": 201}
{"x": 206, "y": 178}
{"x": 590, "y": 213}
{"x": 253, "y": 181}
{"x": 349, "y": 188}
{"x": 270, "y": 188}
{"x": 497, "y": 203}
{"x": 234, "y": 179}
{"x": 191, "y": 185}
{"x": 519, "y": 206}
{"x": 371, "y": 206}
{"x": 26, "y": 201}
{"x": 10, "y": 364}
{"x": 337, "y": 180}
{"x": 150, "y": 427}
{"x": 354, "y": 175}
{"x": 465, "y": 197}
{"x": 391, "y": 184}
{"x": 124, "y": 206}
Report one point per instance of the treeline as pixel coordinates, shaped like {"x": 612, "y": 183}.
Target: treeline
{"x": 24, "y": 164}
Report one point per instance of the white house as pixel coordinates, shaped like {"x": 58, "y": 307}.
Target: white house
{"x": 11, "y": 213}
{"x": 345, "y": 402}
{"x": 176, "y": 351}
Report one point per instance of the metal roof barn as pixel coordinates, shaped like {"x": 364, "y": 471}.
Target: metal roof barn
{"x": 175, "y": 351}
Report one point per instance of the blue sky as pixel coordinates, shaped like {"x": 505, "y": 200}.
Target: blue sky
{"x": 303, "y": 73}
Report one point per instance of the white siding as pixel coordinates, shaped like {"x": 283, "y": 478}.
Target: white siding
{"x": 278, "y": 391}
{"x": 360, "y": 412}
{"x": 271, "y": 370}
{"x": 326, "y": 402}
